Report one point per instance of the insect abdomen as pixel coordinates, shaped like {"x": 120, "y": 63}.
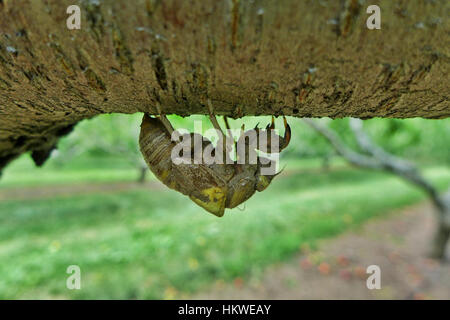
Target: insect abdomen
{"x": 156, "y": 147}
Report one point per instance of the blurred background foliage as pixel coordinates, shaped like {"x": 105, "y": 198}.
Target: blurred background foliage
{"x": 116, "y": 135}
{"x": 142, "y": 240}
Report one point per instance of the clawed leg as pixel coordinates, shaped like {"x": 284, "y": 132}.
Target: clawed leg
{"x": 272, "y": 125}
{"x": 287, "y": 132}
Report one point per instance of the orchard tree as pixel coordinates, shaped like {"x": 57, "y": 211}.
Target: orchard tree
{"x": 374, "y": 157}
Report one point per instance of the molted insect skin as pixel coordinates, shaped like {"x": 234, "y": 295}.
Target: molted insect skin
{"x": 213, "y": 187}
{"x": 197, "y": 181}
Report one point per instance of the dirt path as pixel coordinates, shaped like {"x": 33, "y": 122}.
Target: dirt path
{"x": 398, "y": 245}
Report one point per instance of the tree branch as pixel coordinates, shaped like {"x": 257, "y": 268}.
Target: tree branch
{"x": 285, "y": 57}
{"x": 382, "y": 160}
{"x": 395, "y": 165}
{"x": 351, "y": 156}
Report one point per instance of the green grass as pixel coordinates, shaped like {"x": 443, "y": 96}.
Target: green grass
{"x": 158, "y": 244}
{"x": 22, "y": 172}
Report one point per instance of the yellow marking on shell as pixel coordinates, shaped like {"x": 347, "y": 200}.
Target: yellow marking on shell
{"x": 262, "y": 183}
{"x": 216, "y": 200}
{"x": 164, "y": 175}
{"x": 242, "y": 193}
{"x": 237, "y": 198}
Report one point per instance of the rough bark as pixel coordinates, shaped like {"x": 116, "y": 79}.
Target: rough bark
{"x": 301, "y": 58}
{"x": 376, "y": 158}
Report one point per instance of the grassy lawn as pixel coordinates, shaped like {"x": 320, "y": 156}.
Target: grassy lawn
{"x": 22, "y": 172}
{"x": 158, "y": 244}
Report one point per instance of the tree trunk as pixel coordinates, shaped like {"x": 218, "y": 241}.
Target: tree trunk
{"x": 142, "y": 174}
{"x": 374, "y": 157}
{"x": 291, "y": 57}
{"x": 441, "y": 238}
{"x": 442, "y": 235}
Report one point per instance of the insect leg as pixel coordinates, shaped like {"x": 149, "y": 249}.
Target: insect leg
{"x": 164, "y": 120}
{"x": 213, "y": 119}
{"x": 227, "y": 125}
{"x": 272, "y": 125}
{"x": 287, "y": 133}
{"x": 216, "y": 126}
